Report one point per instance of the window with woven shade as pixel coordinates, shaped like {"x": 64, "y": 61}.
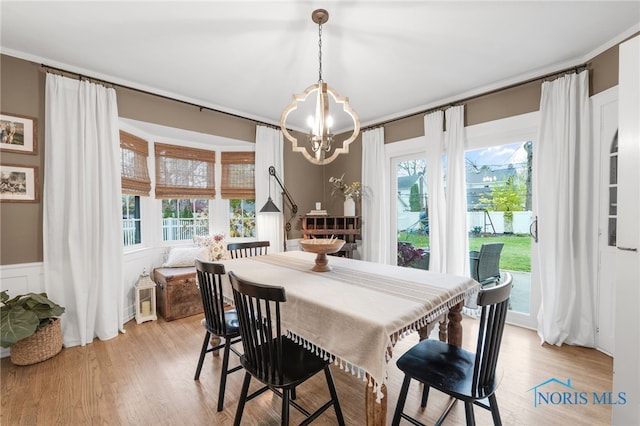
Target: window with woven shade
{"x": 238, "y": 175}
{"x": 133, "y": 165}
{"x": 183, "y": 172}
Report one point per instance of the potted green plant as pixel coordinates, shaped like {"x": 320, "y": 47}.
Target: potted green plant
{"x": 30, "y": 326}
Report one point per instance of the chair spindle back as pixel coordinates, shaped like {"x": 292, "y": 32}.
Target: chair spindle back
{"x": 209, "y": 281}
{"x": 494, "y": 303}
{"x": 258, "y": 308}
{"x": 248, "y": 249}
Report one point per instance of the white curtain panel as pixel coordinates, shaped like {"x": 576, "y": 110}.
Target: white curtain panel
{"x": 565, "y": 203}
{"x": 434, "y": 134}
{"x": 82, "y": 218}
{"x": 375, "y": 223}
{"x": 457, "y": 249}
{"x": 269, "y": 226}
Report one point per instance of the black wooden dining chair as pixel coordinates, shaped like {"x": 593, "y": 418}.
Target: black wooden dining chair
{"x": 217, "y": 321}
{"x": 463, "y": 375}
{"x": 248, "y": 249}
{"x": 272, "y": 358}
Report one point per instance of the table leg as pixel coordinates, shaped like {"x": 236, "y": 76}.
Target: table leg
{"x": 455, "y": 326}
{"x": 376, "y": 413}
{"x": 443, "y": 322}
{"x": 442, "y": 329}
{"x": 424, "y": 332}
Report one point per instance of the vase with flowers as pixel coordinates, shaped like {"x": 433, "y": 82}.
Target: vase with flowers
{"x": 351, "y": 193}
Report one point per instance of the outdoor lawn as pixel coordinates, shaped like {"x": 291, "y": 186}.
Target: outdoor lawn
{"x": 515, "y": 256}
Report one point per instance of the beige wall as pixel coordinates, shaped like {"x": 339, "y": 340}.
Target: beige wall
{"x": 154, "y": 109}
{"x": 603, "y": 70}
{"x": 22, "y": 92}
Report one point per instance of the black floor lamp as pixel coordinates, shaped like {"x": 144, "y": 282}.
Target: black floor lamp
{"x": 270, "y": 207}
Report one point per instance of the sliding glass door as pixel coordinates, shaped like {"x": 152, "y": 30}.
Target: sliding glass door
{"x": 499, "y": 162}
{"x": 499, "y": 210}
{"x": 498, "y": 168}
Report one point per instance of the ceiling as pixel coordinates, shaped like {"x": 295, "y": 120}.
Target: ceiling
{"x": 391, "y": 58}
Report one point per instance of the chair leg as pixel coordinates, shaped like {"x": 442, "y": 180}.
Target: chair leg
{"x": 401, "y": 400}
{"x": 243, "y": 399}
{"x": 334, "y": 395}
{"x": 203, "y": 352}
{"x": 425, "y": 395}
{"x": 293, "y": 393}
{"x": 468, "y": 411}
{"x": 495, "y": 413}
{"x": 223, "y": 373}
{"x": 284, "y": 418}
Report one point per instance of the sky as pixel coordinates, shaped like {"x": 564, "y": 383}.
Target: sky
{"x": 502, "y": 155}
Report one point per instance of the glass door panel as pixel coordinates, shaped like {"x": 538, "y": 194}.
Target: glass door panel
{"x": 499, "y": 210}
{"x": 411, "y": 215}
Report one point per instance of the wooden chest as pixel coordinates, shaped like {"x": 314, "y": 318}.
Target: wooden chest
{"x": 177, "y": 295}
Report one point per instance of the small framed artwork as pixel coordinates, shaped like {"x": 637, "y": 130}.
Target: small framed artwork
{"x": 18, "y": 183}
{"x": 18, "y": 133}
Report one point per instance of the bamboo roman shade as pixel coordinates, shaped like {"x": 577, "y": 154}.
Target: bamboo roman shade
{"x": 183, "y": 172}
{"x": 238, "y": 175}
{"x": 133, "y": 165}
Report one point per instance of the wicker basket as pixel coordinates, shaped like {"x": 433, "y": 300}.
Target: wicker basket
{"x": 42, "y": 345}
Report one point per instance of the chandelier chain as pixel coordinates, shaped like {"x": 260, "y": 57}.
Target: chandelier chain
{"x": 320, "y": 53}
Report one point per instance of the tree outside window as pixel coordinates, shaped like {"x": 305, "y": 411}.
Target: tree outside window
{"x": 507, "y": 197}
{"x": 242, "y": 218}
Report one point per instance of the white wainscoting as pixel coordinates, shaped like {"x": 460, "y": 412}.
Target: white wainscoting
{"x": 133, "y": 264}
{"x": 29, "y": 277}
{"x": 20, "y": 279}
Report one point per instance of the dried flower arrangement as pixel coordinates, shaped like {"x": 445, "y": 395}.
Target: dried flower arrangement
{"x": 353, "y": 191}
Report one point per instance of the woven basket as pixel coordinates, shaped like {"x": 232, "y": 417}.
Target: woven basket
{"x": 42, "y": 345}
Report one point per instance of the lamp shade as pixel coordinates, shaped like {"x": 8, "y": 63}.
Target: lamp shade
{"x": 269, "y": 207}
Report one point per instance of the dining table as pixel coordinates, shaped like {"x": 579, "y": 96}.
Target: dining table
{"x": 354, "y": 313}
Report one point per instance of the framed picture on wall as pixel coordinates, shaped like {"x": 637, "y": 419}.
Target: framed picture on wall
{"x": 18, "y": 133}
{"x": 18, "y": 183}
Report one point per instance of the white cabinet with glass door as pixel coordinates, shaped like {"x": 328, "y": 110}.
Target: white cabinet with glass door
{"x": 605, "y": 134}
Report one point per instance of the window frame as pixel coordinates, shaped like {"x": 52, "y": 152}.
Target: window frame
{"x": 137, "y": 219}
{"x": 135, "y": 181}
{"x": 151, "y": 207}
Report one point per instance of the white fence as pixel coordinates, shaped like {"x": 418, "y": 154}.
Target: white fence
{"x": 489, "y": 222}
{"x": 184, "y": 229}
{"x": 129, "y": 231}
{"x": 172, "y": 229}
{"x": 485, "y": 220}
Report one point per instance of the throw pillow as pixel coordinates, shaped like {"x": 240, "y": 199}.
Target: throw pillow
{"x": 185, "y": 256}
{"x": 215, "y": 244}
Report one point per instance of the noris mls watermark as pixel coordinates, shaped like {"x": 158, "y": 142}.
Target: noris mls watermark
{"x": 554, "y": 392}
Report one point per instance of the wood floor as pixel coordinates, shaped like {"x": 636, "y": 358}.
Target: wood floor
{"x": 145, "y": 377}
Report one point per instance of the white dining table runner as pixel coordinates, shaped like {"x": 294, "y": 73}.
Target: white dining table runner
{"x": 355, "y": 313}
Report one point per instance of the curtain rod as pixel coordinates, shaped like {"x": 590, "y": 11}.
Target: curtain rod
{"x": 489, "y": 92}
{"x": 47, "y": 68}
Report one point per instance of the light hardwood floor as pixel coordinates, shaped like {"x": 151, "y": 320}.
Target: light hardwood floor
{"x": 145, "y": 377}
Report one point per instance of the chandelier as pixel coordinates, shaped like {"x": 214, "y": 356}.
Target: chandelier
{"x": 320, "y": 148}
